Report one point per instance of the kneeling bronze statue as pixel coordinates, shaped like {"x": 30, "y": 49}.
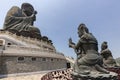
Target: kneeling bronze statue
{"x": 108, "y": 59}
{"x": 89, "y": 63}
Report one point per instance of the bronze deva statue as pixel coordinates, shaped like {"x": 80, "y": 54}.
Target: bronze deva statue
{"x": 89, "y": 62}
{"x": 21, "y": 20}
{"x": 107, "y": 56}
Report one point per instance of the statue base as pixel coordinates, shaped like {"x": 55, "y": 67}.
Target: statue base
{"x": 95, "y": 76}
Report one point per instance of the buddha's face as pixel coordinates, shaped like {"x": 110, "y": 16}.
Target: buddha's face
{"x": 27, "y": 12}
{"x": 27, "y": 9}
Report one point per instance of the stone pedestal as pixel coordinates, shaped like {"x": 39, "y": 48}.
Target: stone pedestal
{"x": 95, "y": 76}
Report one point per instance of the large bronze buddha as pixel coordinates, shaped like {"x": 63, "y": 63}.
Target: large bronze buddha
{"x": 20, "y": 21}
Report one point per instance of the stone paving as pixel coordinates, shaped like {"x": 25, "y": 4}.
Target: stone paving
{"x": 24, "y": 76}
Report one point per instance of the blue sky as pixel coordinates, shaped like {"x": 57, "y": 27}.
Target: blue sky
{"x": 59, "y": 20}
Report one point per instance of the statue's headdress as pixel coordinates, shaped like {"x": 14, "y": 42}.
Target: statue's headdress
{"x": 104, "y": 45}
{"x": 83, "y": 29}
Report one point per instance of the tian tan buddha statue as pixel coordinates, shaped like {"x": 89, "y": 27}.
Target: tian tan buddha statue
{"x": 21, "y": 20}
{"x": 107, "y": 56}
{"x": 89, "y": 63}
